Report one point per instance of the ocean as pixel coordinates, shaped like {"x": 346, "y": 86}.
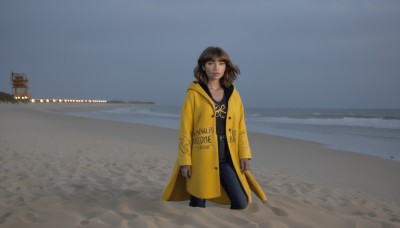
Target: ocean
{"x": 369, "y": 131}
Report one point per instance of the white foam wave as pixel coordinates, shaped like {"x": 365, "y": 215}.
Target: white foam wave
{"x": 143, "y": 111}
{"x": 346, "y": 121}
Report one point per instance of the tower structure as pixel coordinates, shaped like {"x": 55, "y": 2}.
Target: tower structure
{"x": 20, "y": 87}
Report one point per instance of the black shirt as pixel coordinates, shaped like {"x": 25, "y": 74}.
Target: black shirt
{"x": 221, "y": 108}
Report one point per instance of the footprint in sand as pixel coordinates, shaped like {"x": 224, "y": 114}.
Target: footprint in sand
{"x": 130, "y": 193}
{"x": 358, "y": 213}
{"x": 277, "y": 211}
{"x": 30, "y": 218}
{"x": 372, "y": 214}
{"x": 395, "y": 219}
{"x": 4, "y": 217}
{"x": 85, "y": 222}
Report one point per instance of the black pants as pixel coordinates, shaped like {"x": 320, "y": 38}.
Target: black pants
{"x": 229, "y": 180}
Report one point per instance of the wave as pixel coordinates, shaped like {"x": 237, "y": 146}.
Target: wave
{"x": 144, "y": 112}
{"x": 344, "y": 121}
{"x": 349, "y": 119}
{"x": 389, "y": 114}
{"x": 371, "y": 132}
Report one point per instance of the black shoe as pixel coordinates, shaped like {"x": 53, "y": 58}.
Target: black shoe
{"x": 196, "y": 202}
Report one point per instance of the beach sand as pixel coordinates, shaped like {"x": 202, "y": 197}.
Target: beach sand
{"x": 58, "y": 170}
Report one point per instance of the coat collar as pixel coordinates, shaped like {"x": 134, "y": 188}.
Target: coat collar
{"x": 203, "y": 89}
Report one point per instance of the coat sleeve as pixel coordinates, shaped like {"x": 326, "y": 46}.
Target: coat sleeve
{"x": 244, "y": 146}
{"x": 185, "y": 132}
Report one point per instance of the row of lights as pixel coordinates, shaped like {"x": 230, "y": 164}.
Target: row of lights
{"x": 66, "y": 101}
{"x": 21, "y": 98}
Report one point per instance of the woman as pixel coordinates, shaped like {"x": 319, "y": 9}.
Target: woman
{"x": 214, "y": 153}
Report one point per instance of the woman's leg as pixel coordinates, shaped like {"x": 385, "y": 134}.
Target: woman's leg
{"x": 232, "y": 186}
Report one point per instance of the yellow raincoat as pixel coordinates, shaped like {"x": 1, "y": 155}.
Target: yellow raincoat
{"x": 198, "y": 147}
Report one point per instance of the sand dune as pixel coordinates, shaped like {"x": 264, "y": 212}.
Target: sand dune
{"x": 66, "y": 171}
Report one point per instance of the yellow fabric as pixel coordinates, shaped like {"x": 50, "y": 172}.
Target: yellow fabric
{"x": 198, "y": 147}
{"x": 255, "y": 187}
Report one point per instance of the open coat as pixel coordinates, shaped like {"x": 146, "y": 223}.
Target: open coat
{"x": 198, "y": 147}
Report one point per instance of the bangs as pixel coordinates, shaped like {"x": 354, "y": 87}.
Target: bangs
{"x": 216, "y": 54}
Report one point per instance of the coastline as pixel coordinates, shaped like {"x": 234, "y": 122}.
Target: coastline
{"x": 74, "y": 171}
{"x": 369, "y": 133}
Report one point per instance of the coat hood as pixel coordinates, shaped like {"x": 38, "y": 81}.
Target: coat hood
{"x": 202, "y": 88}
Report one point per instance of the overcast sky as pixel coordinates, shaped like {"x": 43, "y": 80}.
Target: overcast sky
{"x": 299, "y": 53}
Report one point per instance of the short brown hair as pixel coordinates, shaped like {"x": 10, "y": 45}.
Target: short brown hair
{"x": 212, "y": 53}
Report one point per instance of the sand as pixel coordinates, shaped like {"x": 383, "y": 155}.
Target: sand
{"x": 58, "y": 170}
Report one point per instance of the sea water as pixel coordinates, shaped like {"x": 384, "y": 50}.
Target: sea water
{"x": 370, "y": 131}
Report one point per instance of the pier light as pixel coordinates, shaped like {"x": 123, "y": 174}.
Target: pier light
{"x": 47, "y": 100}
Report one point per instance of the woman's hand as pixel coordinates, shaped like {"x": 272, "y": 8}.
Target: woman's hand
{"x": 186, "y": 171}
{"x": 244, "y": 164}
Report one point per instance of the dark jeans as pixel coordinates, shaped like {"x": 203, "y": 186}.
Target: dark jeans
{"x": 229, "y": 180}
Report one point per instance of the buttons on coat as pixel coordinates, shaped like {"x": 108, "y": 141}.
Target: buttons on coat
{"x": 229, "y": 117}
{"x": 212, "y": 116}
{"x": 216, "y": 168}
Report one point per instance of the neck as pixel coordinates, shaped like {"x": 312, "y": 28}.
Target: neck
{"x": 214, "y": 85}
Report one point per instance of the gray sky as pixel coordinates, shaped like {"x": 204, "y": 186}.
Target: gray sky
{"x": 299, "y": 53}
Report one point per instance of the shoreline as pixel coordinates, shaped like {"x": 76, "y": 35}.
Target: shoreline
{"x": 337, "y": 142}
{"x": 68, "y": 171}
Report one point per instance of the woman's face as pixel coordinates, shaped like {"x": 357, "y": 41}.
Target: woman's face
{"x": 215, "y": 69}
